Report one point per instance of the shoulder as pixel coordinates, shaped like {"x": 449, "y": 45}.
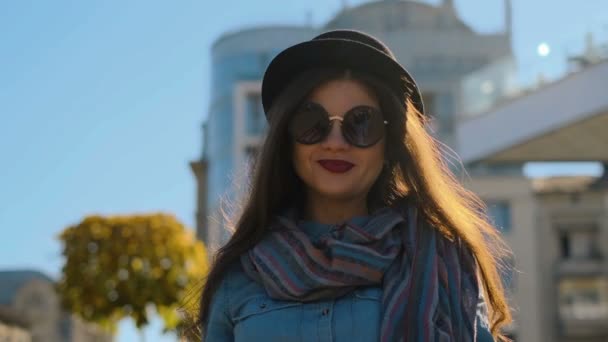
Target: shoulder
{"x": 237, "y": 289}
{"x": 237, "y": 284}
{"x": 219, "y": 326}
{"x": 234, "y": 278}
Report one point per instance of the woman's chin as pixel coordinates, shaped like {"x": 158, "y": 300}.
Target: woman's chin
{"x": 337, "y": 193}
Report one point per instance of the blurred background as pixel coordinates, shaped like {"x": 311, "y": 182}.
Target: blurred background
{"x": 134, "y": 108}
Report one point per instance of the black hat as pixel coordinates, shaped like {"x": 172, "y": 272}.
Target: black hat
{"x": 339, "y": 48}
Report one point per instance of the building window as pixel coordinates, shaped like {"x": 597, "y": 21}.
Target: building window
{"x": 507, "y": 274}
{"x": 429, "y": 99}
{"x": 564, "y": 243}
{"x": 37, "y": 301}
{"x": 65, "y": 328}
{"x": 255, "y": 119}
{"x": 251, "y": 154}
{"x": 583, "y": 298}
{"x": 444, "y": 107}
{"x": 436, "y": 123}
{"x": 579, "y": 243}
{"x": 500, "y": 214}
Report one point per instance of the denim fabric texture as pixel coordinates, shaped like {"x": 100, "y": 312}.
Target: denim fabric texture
{"x": 241, "y": 311}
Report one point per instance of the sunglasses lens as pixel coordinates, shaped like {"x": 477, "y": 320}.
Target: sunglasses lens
{"x": 309, "y": 124}
{"x": 363, "y": 126}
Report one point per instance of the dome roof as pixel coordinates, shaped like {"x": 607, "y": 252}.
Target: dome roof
{"x": 260, "y": 30}
{"x": 394, "y": 15}
{"x": 12, "y": 281}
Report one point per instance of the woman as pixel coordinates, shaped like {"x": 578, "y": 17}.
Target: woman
{"x": 354, "y": 228}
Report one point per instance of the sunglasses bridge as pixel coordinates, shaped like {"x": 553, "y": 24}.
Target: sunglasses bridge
{"x": 341, "y": 119}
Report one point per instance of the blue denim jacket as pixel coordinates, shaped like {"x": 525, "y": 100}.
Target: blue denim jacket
{"x": 241, "y": 311}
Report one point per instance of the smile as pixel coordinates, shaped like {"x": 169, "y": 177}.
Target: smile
{"x": 336, "y": 166}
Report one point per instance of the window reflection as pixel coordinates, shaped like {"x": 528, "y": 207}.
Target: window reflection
{"x": 255, "y": 120}
{"x": 500, "y": 214}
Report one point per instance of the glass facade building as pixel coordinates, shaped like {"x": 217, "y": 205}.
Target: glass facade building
{"x": 431, "y": 41}
{"x": 236, "y": 120}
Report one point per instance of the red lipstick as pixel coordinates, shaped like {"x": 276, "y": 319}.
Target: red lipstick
{"x": 336, "y": 166}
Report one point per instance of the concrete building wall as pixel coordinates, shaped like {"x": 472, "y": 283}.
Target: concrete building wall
{"x": 522, "y": 238}
{"x": 34, "y": 301}
{"x": 85, "y": 332}
{"x": 13, "y": 328}
{"x": 574, "y": 269}
{"x": 38, "y": 303}
{"x": 13, "y": 333}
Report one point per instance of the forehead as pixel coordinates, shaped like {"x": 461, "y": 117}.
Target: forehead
{"x": 343, "y": 94}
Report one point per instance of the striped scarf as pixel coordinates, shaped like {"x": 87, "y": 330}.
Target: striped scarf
{"x": 430, "y": 289}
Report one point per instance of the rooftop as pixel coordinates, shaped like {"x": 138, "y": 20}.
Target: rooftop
{"x": 12, "y": 281}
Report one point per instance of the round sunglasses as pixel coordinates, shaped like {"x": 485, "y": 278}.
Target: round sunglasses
{"x": 362, "y": 126}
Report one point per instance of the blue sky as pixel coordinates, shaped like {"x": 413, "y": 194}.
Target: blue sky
{"x": 101, "y": 102}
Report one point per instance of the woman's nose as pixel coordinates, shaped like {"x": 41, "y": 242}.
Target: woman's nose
{"x": 335, "y": 139}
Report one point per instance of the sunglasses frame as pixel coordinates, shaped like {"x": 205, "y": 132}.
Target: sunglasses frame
{"x": 333, "y": 118}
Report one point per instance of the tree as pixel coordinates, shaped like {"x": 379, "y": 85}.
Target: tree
{"x": 122, "y": 266}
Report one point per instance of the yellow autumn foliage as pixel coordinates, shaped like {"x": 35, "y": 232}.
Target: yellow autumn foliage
{"x": 124, "y": 266}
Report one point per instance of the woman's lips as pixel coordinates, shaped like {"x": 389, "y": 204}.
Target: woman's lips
{"x": 336, "y": 166}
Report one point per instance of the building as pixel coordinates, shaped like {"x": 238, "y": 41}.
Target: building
{"x": 465, "y": 78}
{"x": 31, "y": 296}
{"x": 572, "y": 219}
{"x": 236, "y": 120}
{"x": 12, "y": 327}
{"x": 433, "y": 42}
{"x": 560, "y": 225}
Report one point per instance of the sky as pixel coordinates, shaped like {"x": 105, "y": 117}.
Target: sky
{"x": 101, "y": 102}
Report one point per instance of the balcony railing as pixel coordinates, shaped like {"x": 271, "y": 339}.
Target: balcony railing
{"x": 583, "y": 305}
{"x": 582, "y": 267}
{"x": 584, "y": 321}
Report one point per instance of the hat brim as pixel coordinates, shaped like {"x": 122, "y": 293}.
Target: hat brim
{"x": 343, "y": 53}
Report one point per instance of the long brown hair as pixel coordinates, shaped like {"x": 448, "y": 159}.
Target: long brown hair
{"x": 416, "y": 168}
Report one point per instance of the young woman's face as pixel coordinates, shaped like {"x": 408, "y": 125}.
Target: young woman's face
{"x": 333, "y": 168}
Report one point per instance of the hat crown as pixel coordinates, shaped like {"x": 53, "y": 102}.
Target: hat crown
{"x": 356, "y": 36}
{"x": 350, "y": 49}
